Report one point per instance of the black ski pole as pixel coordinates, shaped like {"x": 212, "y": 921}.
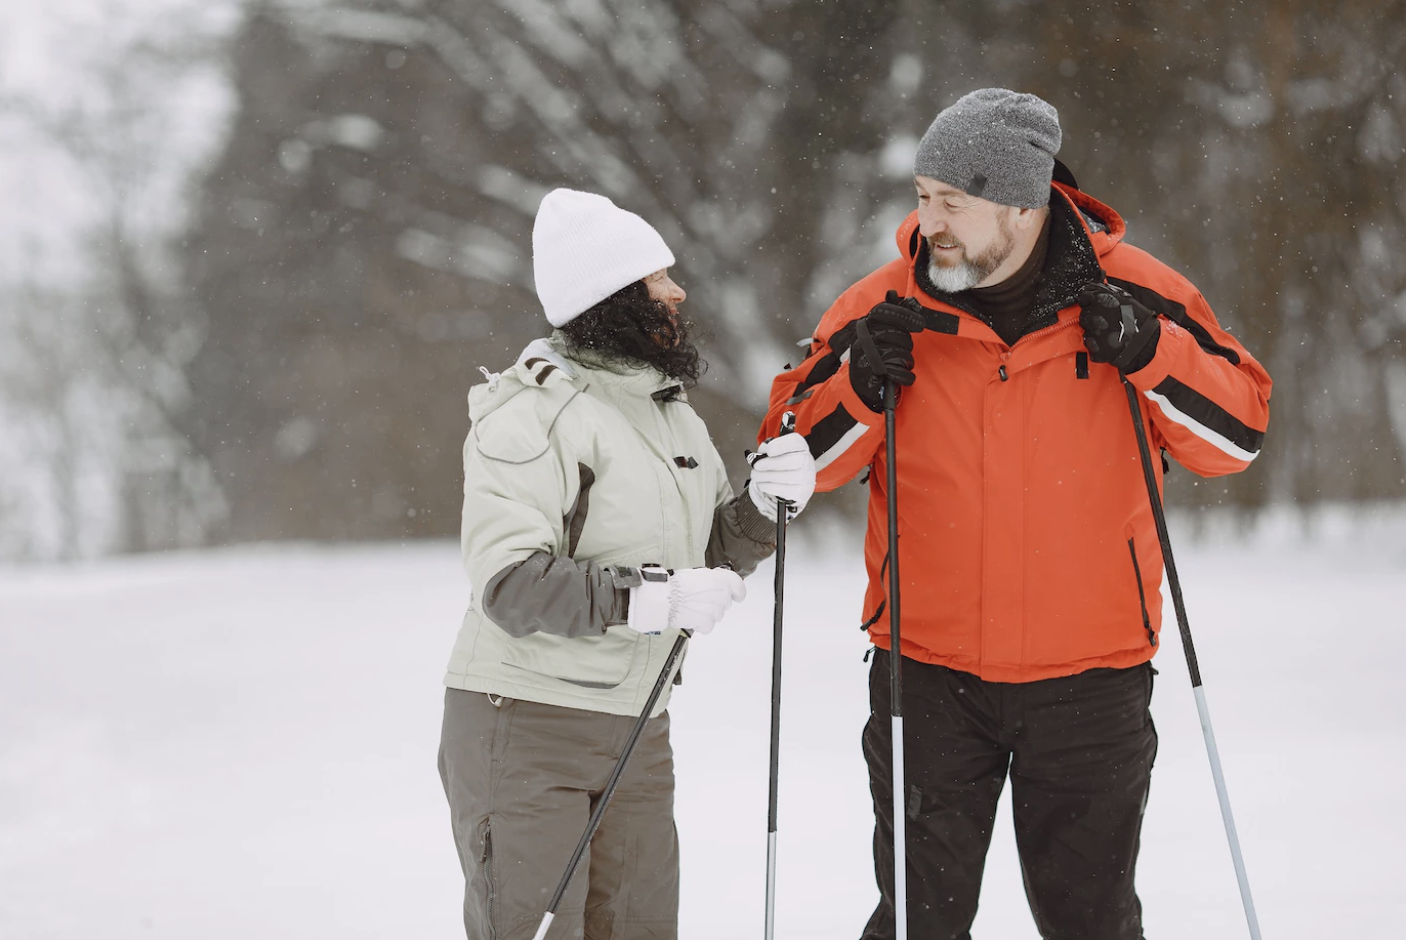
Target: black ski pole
{"x": 900, "y": 835}
{"x": 611, "y": 783}
{"x": 783, "y": 508}
{"x": 1175, "y": 584}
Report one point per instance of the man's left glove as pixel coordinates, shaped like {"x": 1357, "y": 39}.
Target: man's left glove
{"x": 1118, "y": 330}
{"x": 782, "y": 468}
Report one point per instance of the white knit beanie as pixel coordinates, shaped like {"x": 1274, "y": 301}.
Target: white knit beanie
{"x": 585, "y": 248}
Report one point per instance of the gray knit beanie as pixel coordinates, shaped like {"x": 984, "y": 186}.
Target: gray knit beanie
{"x": 994, "y": 144}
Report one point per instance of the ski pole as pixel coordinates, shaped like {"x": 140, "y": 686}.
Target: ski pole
{"x": 1175, "y": 584}
{"x": 611, "y": 783}
{"x": 906, "y": 313}
{"x": 900, "y": 836}
{"x": 783, "y": 508}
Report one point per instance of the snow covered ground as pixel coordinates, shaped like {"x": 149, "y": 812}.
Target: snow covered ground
{"x": 242, "y": 744}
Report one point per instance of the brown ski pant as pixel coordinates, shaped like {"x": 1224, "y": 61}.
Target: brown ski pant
{"x": 522, "y": 779}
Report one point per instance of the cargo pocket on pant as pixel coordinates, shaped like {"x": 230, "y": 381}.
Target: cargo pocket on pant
{"x": 503, "y": 709}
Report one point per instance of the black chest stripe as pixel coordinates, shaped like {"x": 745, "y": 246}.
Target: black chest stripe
{"x": 1177, "y": 314}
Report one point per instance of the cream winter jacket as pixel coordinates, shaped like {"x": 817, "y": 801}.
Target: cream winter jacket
{"x": 575, "y": 463}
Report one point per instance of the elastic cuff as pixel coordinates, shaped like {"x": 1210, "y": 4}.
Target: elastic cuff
{"x": 650, "y": 607}
{"x": 751, "y": 522}
{"x": 619, "y": 608}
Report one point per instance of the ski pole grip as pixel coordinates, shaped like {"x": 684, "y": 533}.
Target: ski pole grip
{"x": 788, "y": 426}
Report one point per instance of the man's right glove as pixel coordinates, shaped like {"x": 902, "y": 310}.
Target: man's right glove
{"x": 882, "y": 348}
{"x": 691, "y": 599}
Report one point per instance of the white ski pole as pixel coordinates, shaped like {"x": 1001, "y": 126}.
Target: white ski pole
{"x": 1174, "y": 583}
{"x": 900, "y": 835}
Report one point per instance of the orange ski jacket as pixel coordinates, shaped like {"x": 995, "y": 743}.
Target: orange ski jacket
{"x": 1027, "y": 546}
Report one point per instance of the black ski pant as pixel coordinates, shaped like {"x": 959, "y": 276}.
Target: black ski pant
{"x": 1079, "y": 752}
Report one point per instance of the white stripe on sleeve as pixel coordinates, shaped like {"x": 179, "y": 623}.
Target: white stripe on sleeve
{"x": 1214, "y": 438}
{"x": 839, "y": 447}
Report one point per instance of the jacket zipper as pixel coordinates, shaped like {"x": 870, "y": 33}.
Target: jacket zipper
{"x": 1001, "y": 369}
{"x": 1141, "y": 595}
{"x": 666, "y": 433}
{"x": 1061, "y": 325}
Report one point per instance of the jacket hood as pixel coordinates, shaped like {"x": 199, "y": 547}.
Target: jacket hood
{"x": 542, "y": 364}
{"x": 545, "y": 365}
{"x": 1104, "y": 226}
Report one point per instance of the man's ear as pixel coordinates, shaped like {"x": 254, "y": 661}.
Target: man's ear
{"x": 1026, "y": 219}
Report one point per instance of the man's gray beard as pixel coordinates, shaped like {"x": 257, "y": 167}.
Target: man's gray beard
{"x": 954, "y": 280}
{"x": 968, "y": 274}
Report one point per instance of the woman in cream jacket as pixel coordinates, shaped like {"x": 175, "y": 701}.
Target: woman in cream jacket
{"x": 598, "y": 522}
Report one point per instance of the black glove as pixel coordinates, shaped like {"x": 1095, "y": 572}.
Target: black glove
{"x": 1118, "y": 330}
{"x": 883, "y": 348}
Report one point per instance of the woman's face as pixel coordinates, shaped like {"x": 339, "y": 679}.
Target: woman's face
{"x": 663, "y": 289}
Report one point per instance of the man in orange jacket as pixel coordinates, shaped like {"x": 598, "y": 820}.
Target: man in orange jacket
{"x": 1029, "y": 558}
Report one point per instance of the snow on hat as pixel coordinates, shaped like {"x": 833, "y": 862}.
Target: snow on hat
{"x": 585, "y": 248}
{"x": 994, "y": 144}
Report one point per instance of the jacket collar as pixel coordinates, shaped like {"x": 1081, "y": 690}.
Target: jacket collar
{"x": 618, "y": 379}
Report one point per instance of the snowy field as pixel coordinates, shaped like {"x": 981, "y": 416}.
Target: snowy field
{"x": 242, "y": 743}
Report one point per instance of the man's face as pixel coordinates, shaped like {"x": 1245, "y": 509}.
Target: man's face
{"x": 968, "y": 238}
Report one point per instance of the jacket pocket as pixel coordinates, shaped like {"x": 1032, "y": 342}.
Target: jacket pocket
{"x": 596, "y": 662}
{"x": 1141, "y": 595}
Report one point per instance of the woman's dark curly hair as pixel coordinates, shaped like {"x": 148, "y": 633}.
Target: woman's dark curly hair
{"x": 632, "y": 327}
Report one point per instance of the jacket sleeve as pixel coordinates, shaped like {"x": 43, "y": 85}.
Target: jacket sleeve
{"x": 1207, "y": 397}
{"x": 842, "y": 432}
{"x": 517, "y": 497}
{"x": 562, "y": 596}
{"x": 741, "y": 536}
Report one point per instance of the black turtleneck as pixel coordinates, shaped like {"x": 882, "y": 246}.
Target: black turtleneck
{"x": 1006, "y": 307}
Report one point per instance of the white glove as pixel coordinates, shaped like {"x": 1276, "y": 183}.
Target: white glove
{"x": 782, "y": 468}
{"x": 692, "y": 599}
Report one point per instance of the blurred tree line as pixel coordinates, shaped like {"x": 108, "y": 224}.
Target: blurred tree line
{"x": 106, "y": 117}
{"x": 362, "y": 244}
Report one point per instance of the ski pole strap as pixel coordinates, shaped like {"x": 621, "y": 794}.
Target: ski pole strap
{"x": 869, "y": 348}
